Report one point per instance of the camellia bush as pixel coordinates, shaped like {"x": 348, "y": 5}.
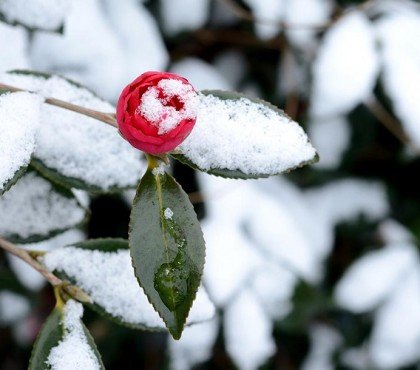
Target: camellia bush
{"x": 159, "y": 211}
{"x": 44, "y": 122}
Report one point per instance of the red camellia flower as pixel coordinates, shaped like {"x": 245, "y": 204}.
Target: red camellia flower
{"x": 157, "y": 111}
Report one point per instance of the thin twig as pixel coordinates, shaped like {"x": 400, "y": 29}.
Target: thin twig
{"x": 108, "y": 118}
{"x": 25, "y": 256}
{"x": 387, "y": 120}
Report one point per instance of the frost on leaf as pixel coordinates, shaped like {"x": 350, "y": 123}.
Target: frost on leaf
{"x": 346, "y": 68}
{"x": 19, "y": 119}
{"x": 102, "y": 274}
{"x": 74, "y": 350}
{"x": 75, "y": 150}
{"x": 34, "y": 210}
{"x": 47, "y": 15}
{"x": 238, "y": 137}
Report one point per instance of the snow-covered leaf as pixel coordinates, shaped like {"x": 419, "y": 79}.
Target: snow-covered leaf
{"x": 101, "y": 267}
{"x": 200, "y": 74}
{"x": 194, "y": 347}
{"x": 75, "y": 150}
{"x": 304, "y": 16}
{"x": 183, "y": 15}
{"x": 274, "y": 286}
{"x": 373, "y": 277}
{"x": 65, "y": 343}
{"x": 14, "y": 44}
{"x": 106, "y": 44}
{"x": 399, "y": 34}
{"x": 345, "y": 71}
{"x": 167, "y": 247}
{"x": 344, "y": 200}
{"x": 230, "y": 261}
{"x": 324, "y": 342}
{"x": 248, "y": 332}
{"x": 34, "y": 210}
{"x": 46, "y": 15}
{"x": 13, "y": 307}
{"x": 270, "y": 12}
{"x": 239, "y": 137}
{"x": 19, "y": 120}
{"x": 395, "y": 339}
{"x": 331, "y": 137}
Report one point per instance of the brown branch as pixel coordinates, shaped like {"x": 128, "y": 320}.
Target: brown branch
{"x": 387, "y": 120}
{"x": 108, "y": 118}
{"x": 25, "y": 256}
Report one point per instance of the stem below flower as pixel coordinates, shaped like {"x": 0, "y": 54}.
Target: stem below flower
{"x": 108, "y": 118}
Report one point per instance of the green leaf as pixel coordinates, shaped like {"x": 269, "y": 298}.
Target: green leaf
{"x": 18, "y": 174}
{"x": 168, "y": 252}
{"x": 304, "y": 153}
{"x": 52, "y": 333}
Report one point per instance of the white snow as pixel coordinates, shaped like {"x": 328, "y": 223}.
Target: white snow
{"x": 372, "y": 278}
{"x": 331, "y": 137}
{"x": 303, "y": 18}
{"x": 168, "y": 213}
{"x": 246, "y": 136}
{"x": 102, "y": 274}
{"x": 232, "y": 66}
{"x": 33, "y": 207}
{"x": 392, "y": 232}
{"x": 183, "y": 15}
{"x": 13, "y": 307}
{"x": 26, "y": 274}
{"x": 343, "y": 200}
{"x": 395, "y": 339}
{"x": 279, "y": 235}
{"x": 195, "y": 345}
{"x": 268, "y": 12}
{"x": 78, "y": 146}
{"x": 346, "y": 68}
{"x": 106, "y": 45}
{"x": 160, "y": 170}
{"x": 398, "y": 35}
{"x": 19, "y": 120}
{"x": 156, "y": 110}
{"x": 43, "y": 14}
{"x": 230, "y": 261}
{"x": 274, "y": 287}
{"x": 13, "y": 48}
{"x": 324, "y": 342}
{"x": 73, "y": 351}
{"x": 248, "y": 332}
{"x": 201, "y": 74}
